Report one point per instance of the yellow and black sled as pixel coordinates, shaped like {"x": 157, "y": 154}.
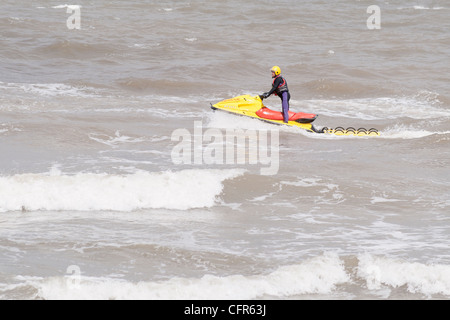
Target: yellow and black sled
{"x": 252, "y": 106}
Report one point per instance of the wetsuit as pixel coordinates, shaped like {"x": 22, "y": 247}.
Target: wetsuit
{"x": 280, "y": 88}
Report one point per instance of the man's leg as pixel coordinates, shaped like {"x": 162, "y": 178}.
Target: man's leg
{"x": 285, "y": 105}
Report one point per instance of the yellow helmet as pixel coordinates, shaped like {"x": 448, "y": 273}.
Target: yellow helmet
{"x": 276, "y": 70}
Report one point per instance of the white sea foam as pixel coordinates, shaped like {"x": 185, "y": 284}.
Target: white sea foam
{"x": 70, "y": 6}
{"x": 225, "y": 120}
{"x": 408, "y": 132}
{"x": 114, "y": 141}
{"x": 423, "y": 105}
{"x": 427, "y": 8}
{"x": 328, "y": 193}
{"x": 55, "y": 191}
{"x": 417, "y": 277}
{"x": 317, "y": 275}
{"x": 383, "y": 200}
{"x": 420, "y": 7}
{"x": 306, "y": 182}
{"x": 51, "y": 89}
{"x": 5, "y": 127}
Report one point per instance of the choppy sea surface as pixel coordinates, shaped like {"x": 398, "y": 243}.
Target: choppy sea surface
{"x": 94, "y": 205}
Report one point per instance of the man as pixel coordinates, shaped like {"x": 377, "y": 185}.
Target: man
{"x": 280, "y": 88}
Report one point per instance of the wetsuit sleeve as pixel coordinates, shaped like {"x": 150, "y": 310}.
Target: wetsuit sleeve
{"x": 276, "y": 84}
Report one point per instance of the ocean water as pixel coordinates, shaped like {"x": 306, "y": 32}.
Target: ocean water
{"x": 96, "y": 96}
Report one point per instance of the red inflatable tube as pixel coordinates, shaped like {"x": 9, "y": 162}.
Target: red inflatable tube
{"x": 301, "y": 117}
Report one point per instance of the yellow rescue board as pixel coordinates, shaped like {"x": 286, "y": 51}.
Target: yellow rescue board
{"x": 247, "y": 105}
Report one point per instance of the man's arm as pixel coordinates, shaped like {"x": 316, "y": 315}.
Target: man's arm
{"x": 276, "y": 84}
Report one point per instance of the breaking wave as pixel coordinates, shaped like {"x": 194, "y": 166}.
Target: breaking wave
{"x": 54, "y": 191}
{"x": 319, "y": 275}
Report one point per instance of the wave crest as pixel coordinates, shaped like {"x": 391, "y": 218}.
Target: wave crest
{"x": 319, "y": 275}
{"x": 180, "y": 190}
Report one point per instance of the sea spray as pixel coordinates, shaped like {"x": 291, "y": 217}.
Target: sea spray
{"x": 180, "y": 190}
